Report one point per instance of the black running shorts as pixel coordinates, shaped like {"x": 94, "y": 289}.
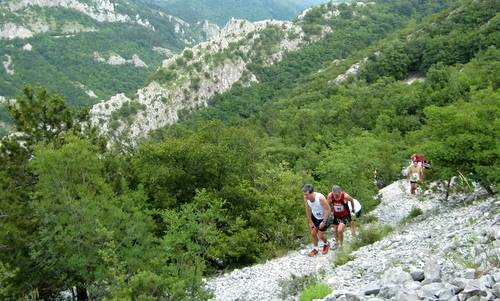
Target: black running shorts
{"x": 317, "y": 222}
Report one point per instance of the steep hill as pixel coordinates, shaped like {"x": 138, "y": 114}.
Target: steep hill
{"x": 243, "y": 54}
{"x": 362, "y": 87}
{"x": 444, "y": 246}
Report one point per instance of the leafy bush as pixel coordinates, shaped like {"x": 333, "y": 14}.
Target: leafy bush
{"x": 187, "y": 54}
{"x": 315, "y": 291}
{"x": 416, "y": 211}
{"x": 366, "y": 236}
{"x": 296, "y": 284}
{"x": 343, "y": 255}
{"x": 370, "y": 234}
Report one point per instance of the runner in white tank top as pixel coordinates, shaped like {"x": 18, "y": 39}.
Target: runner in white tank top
{"x": 317, "y": 209}
{"x": 318, "y": 214}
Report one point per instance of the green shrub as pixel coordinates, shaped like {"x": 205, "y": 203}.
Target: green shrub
{"x": 415, "y": 212}
{"x": 343, "y": 255}
{"x": 315, "y": 291}
{"x": 180, "y": 62}
{"x": 163, "y": 75}
{"x": 296, "y": 284}
{"x": 368, "y": 219}
{"x": 366, "y": 236}
{"x": 187, "y": 54}
{"x": 369, "y": 235}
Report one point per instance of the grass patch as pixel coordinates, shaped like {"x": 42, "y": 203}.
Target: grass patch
{"x": 343, "y": 255}
{"x": 369, "y": 219}
{"x": 459, "y": 260}
{"x": 366, "y": 236}
{"x": 414, "y": 213}
{"x": 370, "y": 235}
{"x": 315, "y": 291}
{"x": 296, "y": 284}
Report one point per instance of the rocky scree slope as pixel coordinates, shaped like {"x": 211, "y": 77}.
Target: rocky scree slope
{"x": 188, "y": 81}
{"x": 450, "y": 252}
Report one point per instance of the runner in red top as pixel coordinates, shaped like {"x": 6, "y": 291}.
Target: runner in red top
{"x": 341, "y": 212}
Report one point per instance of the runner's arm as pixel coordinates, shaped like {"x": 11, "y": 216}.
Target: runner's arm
{"x": 308, "y": 211}
{"x": 328, "y": 210}
{"x": 350, "y": 199}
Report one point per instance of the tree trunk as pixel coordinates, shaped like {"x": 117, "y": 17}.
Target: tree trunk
{"x": 81, "y": 294}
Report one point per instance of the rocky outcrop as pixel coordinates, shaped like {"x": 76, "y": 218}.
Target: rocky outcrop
{"x": 87, "y": 91}
{"x": 27, "y": 47}
{"x": 7, "y": 64}
{"x": 12, "y": 31}
{"x": 99, "y": 10}
{"x": 353, "y": 71}
{"x": 209, "y": 68}
{"x": 164, "y": 51}
{"x": 116, "y": 59}
{"x": 211, "y": 30}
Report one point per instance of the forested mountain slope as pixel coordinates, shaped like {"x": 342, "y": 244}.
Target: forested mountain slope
{"x": 242, "y": 55}
{"x": 124, "y": 223}
{"x": 86, "y": 49}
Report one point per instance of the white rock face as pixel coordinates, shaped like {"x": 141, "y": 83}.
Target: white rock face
{"x": 28, "y": 47}
{"x": 164, "y": 51}
{"x": 8, "y": 64}
{"x": 99, "y": 10}
{"x": 116, "y": 59}
{"x": 414, "y": 78}
{"x": 200, "y": 73}
{"x": 12, "y": 31}
{"x": 352, "y": 71}
{"x": 87, "y": 91}
{"x": 98, "y": 57}
{"x": 138, "y": 62}
{"x": 90, "y": 93}
{"x": 210, "y": 29}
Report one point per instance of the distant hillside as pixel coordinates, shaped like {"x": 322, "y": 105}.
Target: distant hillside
{"x": 240, "y": 56}
{"x": 220, "y": 11}
{"x": 86, "y": 50}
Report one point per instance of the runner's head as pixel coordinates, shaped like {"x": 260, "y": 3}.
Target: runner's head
{"x": 308, "y": 190}
{"x": 336, "y": 190}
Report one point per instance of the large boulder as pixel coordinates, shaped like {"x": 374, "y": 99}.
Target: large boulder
{"x": 474, "y": 288}
{"x": 432, "y": 270}
{"x": 496, "y": 290}
{"x": 417, "y": 274}
{"x": 407, "y": 296}
{"x": 459, "y": 283}
{"x": 396, "y": 276}
{"x": 372, "y": 289}
{"x": 431, "y": 290}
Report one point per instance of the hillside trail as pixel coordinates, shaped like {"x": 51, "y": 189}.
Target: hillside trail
{"x": 410, "y": 245}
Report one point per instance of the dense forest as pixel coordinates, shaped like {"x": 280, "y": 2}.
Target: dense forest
{"x": 222, "y": 188}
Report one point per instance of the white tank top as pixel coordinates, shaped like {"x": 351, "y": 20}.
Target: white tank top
{"x": 316, "y": 208}
{"x": 357, "y": 205}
